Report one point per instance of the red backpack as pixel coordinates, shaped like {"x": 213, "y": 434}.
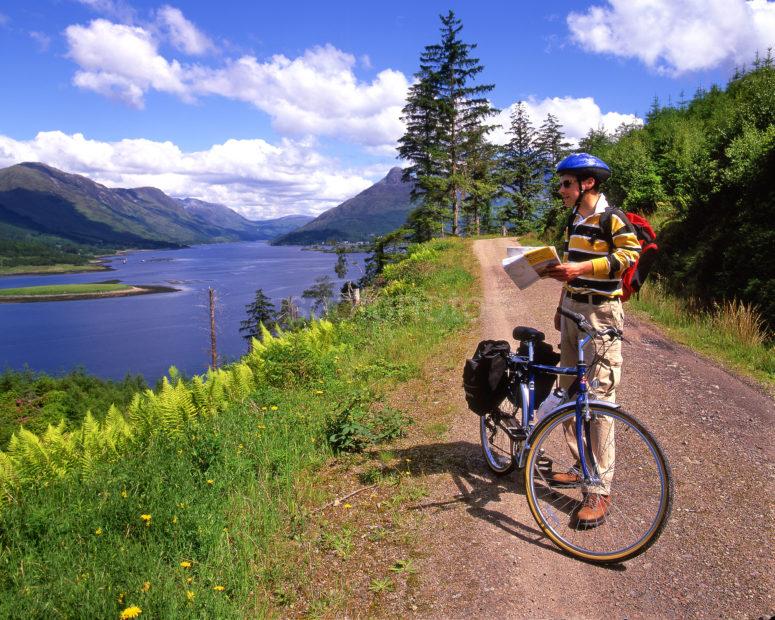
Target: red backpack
{"x": 634, "y": 276}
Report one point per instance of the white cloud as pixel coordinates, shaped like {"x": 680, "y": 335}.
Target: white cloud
{"x": 182, "y": 33}
{"x": 257, "y": 179}
{"x": 121, "y": 61}
{"x": 677, "y": 37}
{"x": 117, "y": 9}
{"x": 576, "y": 115}
{"x": 42, "y": 39}
{"x": 314, "y": 94}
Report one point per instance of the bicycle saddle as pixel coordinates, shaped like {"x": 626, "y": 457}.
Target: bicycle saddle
{"x": 527, "y": 334}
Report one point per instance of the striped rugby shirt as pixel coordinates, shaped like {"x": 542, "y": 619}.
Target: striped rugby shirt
{"x": 588, "y": 243}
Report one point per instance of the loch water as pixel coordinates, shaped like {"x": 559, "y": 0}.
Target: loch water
{"x": 146, "y": 334}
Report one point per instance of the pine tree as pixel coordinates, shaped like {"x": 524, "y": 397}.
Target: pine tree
{"x": 289, "y": 315}
{"x": 552, "y": 145}
{"x": 595, "y": 141}
{"x": 520, "y": 172}
{"x": 445, "y": 119}
{"x": 260, "y": 311}
{"x": 320, "y": 293}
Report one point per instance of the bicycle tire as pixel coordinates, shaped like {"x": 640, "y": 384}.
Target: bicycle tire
{"x": 497, "y": 444}
{"x": 641, "y": 489}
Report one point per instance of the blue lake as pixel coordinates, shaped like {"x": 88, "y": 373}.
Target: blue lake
{"x": 147, "y": 334}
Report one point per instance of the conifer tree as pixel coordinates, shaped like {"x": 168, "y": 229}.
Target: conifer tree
{"x": 552, "y": 145}
{"x": 520, "y": 172}
{"x": 260, "y": 310}
{"x": 445, "y": 118}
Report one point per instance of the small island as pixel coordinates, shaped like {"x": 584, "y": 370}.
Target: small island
{"x": 68, "y": 292}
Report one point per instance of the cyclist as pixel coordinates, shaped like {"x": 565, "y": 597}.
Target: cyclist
{"x": 593, "y": 263}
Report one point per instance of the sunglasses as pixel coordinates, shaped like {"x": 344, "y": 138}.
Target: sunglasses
{"x": 565, "y": 184}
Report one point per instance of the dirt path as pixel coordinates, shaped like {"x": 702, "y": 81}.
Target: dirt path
{"x": 484, "y": 555}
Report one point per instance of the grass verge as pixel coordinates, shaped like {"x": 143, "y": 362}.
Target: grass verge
{"x": 732, "y": 333}
{"x": 206, "y": 521}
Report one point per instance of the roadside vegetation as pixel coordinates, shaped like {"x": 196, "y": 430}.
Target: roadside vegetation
{"x": 188, "y": 500}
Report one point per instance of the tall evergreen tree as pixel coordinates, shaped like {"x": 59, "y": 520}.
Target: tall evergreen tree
{"x": 553, "y": 147}
{"x": 520, "y": 171}
{"x": 445, "y": 119}
{"x": 260, "y": 311}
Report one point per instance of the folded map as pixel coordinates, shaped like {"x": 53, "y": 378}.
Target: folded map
{"x": 527, "y": 265}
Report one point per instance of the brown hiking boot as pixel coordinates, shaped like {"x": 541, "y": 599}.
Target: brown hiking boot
{"x": 592, "y": 510}
{"x": 570, "y": 478}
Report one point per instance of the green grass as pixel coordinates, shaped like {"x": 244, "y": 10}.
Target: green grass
{"x": 49, "y": 269}
{"x": 732, "y": 333}
{"x": 229, "y": 493}
{"x": 63, "y": 289}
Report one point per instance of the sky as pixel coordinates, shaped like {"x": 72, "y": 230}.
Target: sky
{"x": 278, "y": 108}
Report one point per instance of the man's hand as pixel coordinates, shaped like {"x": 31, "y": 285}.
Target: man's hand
{"x": 568, "y": 271}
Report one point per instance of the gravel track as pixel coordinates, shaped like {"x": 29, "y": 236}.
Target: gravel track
{"x": 485, "y": 556}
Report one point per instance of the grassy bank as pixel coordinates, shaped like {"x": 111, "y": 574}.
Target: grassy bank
{"x": 64, "y": 289}
{"x": 732, "y": 333}
{"x": 50, "y": 269}
{"x": 177, "y": 505}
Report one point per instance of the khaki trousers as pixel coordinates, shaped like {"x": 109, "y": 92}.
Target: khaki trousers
{"x": 604, "y": 377}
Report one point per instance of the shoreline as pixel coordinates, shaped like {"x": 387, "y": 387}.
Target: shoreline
{"x": 135, "y": 290}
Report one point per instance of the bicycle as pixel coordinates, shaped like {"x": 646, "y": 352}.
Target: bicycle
{"x": 512, "y": 437}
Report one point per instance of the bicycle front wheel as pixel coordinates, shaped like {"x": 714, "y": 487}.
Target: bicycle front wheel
{"x": 633, "y": 472}
{"x": 497, "y": 444}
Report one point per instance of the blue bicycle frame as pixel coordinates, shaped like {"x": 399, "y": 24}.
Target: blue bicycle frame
{"x": 583, "y": 417}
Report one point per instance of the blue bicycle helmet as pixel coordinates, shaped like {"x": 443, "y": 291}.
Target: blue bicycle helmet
{"x": 583, "y": 166}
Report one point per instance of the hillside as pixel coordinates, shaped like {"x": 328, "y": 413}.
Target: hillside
{"x": 375, "y": 211}
{"x": 47, "y": 214}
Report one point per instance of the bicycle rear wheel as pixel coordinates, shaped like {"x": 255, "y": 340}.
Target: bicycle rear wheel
{"x": 641, "y": 488}
{"x": 497, "y": 444}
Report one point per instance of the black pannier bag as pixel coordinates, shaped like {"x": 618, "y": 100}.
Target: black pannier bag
{"x": 484, "y": 376}
{"x": 543, "y": 353}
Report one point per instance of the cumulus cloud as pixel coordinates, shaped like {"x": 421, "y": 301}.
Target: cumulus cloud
{"x": 576, "y": 115}
{"x": 257, "y": 179}
{"x": 182, "y": 33}
{"x": 314, "y": 94}
{"x": 122, "y": 62}
{"x": 677, "y": 37}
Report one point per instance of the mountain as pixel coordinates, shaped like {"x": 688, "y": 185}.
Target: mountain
{"x": 42, "y": 200}
{"x": 214, "y": 214}
{"x": 375, "y": 211}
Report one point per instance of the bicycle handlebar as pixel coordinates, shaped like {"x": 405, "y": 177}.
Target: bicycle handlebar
{"x": 584, "y": 325}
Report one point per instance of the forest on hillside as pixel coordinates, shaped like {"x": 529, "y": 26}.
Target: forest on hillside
{"x": 699, "y": 169}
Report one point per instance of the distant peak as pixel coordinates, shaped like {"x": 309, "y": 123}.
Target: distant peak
{"x": 394, "y": 176}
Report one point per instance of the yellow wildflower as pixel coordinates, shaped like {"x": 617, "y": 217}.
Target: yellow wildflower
{"x": 98, "y": 531}
{"x": 348, "y": 506}
{"x": 273, "y": 407}
{"x": 175, "y": 518}
{"x": 124, "y": 494}
{"x": 120, "y": 597}
{"x": 185, "y": 564}
{"x": 190, "y": 595}
{"x": 218, "y": 588}
{"x": 189, "y": 579}
{"x": 146, "y": 586}
{"x": 210, "y": 481}
{"x": 146, "y": 519}
{"x": 130, "y": 612}
{"x": 318, "y": 391}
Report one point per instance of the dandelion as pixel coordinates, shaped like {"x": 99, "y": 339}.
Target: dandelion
{"x": 185, "y": 564}
{"x": 218, "y": 588}
{"x": 130, "y": 612}
{"x": 190, "y": 595}
{"x": 318, "y": 391}
{"x": 98, "y": 531}
{"x": 146, "y": 519}
{"x": 146, "y": 586}
{"x": 348, "y": 506}
{"x": 124, "y": 494}
{"x": 210, "y": 481}
{"x": 273, "y": 407}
